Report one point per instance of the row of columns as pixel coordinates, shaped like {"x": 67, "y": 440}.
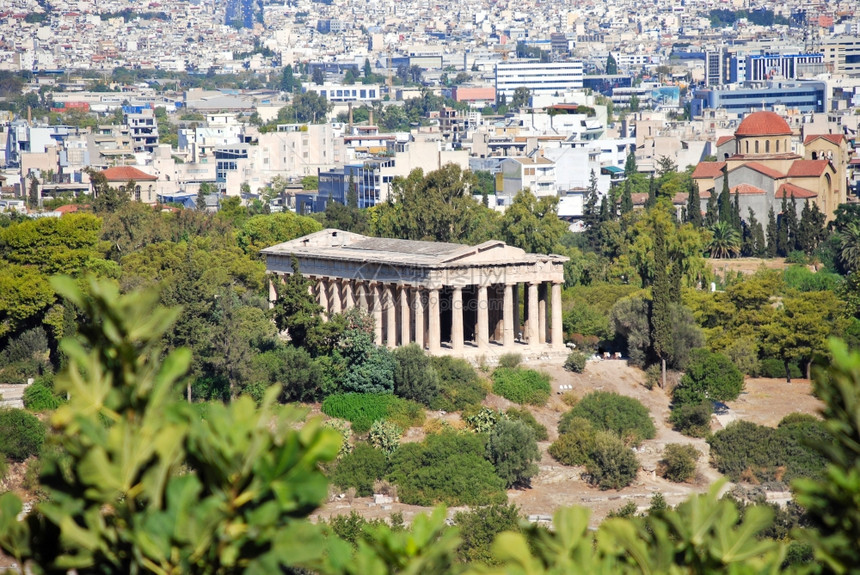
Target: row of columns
{"x": 406, "y": 314}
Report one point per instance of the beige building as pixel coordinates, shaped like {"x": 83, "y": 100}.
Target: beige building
{"x": 439, "y": 296}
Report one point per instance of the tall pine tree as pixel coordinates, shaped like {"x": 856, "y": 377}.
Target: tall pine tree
{"x": 772, "y": 234}
{"x": 627, "y": 198}
{"x": 694, "y": 205}
{"x": 652, "y": 193}
{"x": 591, "y": 211}
{"x": 661, "y": 296}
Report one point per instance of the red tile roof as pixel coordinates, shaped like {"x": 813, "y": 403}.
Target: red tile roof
{"x": 762, "y": 169}
{"x": 708, "y": 169}
{"x": 807, "y": 168}
{"x": 834, "y": 138}
{"x": 723, "y": 139}
{"x": 747, "y": 189}
{"x": 126, "y": 173}
{"x": 789, "y": 190}
{"x": 763, "y": 124}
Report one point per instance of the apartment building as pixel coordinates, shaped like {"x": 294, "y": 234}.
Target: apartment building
{"x": 539, "y": 78}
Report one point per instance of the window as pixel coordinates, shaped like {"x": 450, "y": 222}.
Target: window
{"x": 756, "y": 147}
{"x": 137, "y": 193}
{"x": 767, "y": 147}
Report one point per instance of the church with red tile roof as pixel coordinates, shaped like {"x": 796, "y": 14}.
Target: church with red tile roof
{"x": 762, "y": 164}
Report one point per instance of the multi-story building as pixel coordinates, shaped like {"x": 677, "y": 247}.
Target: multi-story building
{"x": 842, "y": 55}
{"x": 786, "y": 66}
{"x": 737, "y": 99}
{"x": 339, "y": 93}
{"x": 539, "y": 78}
{"x": 142, "y": 126}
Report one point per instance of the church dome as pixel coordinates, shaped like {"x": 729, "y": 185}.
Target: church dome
{"x": 763, "y": 124}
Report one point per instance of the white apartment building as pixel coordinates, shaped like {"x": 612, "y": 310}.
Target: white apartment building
{"x": 539, "y": 78}
{"x": 339, "y": 93}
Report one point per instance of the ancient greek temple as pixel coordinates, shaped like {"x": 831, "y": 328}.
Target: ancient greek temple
{"x": 439, "y": 296}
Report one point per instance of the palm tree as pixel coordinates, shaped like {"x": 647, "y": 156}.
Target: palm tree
{"x": 849, "y": 246}
{"x": 726, "y": 242}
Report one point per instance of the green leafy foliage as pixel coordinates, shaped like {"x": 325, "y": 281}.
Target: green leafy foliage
{"x": 709, "y": 375}
{"x": 679, "y": 462}
{"x": 480, "y": 526}
{"x": 510, "y": 360}
{"x": 484, "y": 420}
{"x": 624, "y": 416}
{"x": 40, "y": 396}
{"x": 575, "y": 361}
{"x": 264, "y": 231}
{"x": 448, "y": 468}
{"x": 692, "y": 419}
{"x": 524, "y": 415}
{"x": 611, "y": 464}
{"x": 775, "y": 368}
{"x": 21, "y": 434}
{"x": 459, "y": 385}
{"x": 746, "y": 451}
{"x": 414, "y": 376}
{"x": 522, "y": 385}
{"x": 362, "y": 409}
{"x": 513, "y": 451}
{"x": 384, "y": 436}
{"x": 575, "y": 444}
{"x": 361, "y": 469}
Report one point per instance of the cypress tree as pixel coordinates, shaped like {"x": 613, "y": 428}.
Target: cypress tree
{"x": 747, "y": 240}
{"x": 604, "y": 210}
{"x": 591, "y": 211}
{"x": 737, "y": 222}
{"x": 791, "y": 224}
{"x": 661, "y": 293}
{"x": 630, "y": 163}
{"x": 759, "y": 248}
{"x": 805, "y": 231}
{"x": 782, "y": 247}
{"x": 712, "y": 214}
{"x": 626, "y": 198}
{"x": 652, "y": 193}
{"x": 725, "y": 201}
{"x": 694, "y": 205}
{"x": 772, "y": 234}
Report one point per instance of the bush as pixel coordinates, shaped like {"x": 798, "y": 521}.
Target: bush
{"x": 569, "y": 398}
{"x": 360, "y": 469}
{"x": 362, "y": 409}
{"x": 692, "y": 419}
{"x": 574, "y": 446}
{"x": 513, "y": 451}
{"x": 459, "y": 385}
{"x": 479, "y": 527}
{"x": 522, "y": 385}
{"x": 575, "y": 361}
{"x": 414, "y": 377}
{"x": 525, "y": 416}
{"x": 709, "y": 375}
{"x": 385, "y": 436}
{"x": 449, "y": 468}
{"x": 21, "y": 434}
{"x": 510, "y": 360}
{"x": 744, "y": 354}
{"x": 775, "y": 369}
{"x": 624, "y": 416}
{"x": 653, "y": 376}
{"x": 40, "y": 396}
{"x": 483, "y": 421}
{"x": 611, "y": 464}
{"x": 746, "y": 451}
{"x": 301, "y": 378}
{"x": 679, "y": 462}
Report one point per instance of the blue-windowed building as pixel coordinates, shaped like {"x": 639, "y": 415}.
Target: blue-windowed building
{"x": 227, "y": 160}
{"x": 368, "y": 177}
{"x": 743, "y": 99}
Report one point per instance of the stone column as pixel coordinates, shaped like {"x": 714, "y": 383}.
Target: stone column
{"x": 390, "y": 316}
{"x": 361, "y": 290}
{"x": 534, "y": 338}
{"x": 516, "y": 294}
{"x": 323, "y": 296}
{"x": 508, "y": 316}
{"x": 557, "y": 329}
{"x": 375, "y": 291}
{"x": 482, "y": 337}
{"x": 335, "y": 296}
{"x": 434, "y": 337}
{"x": 542, "y": 312}
{"x": 457, "y": 319}
{"x": 348, "y": 295}
{"x": 273, "y": 294}
{"x": 405, "y": 317}
{"x": 418, "y": 305}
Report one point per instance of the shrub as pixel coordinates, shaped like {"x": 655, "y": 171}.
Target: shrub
{"x": 40, "y": 396}
{"x": 796, "y": 257}
{"x": 21, "y": 434}
{"x": 522, "y": 385}
{"x": 709, "y": 375}
{"x": 744, "y": 354}
{"x": 569, "y": 398}
{"x": 479, "y": 527}
{"x": 653, "y": 376}
{"x": 510, "y": 360}
{"x": 611, "y": 464}
{"x": 362, "y": 409}
{"x": 360, "y": 469}
{"x": 385, "y": 436}
{"x": 484, "y": 420}
{"x": 525, "y": 416}
{"x": 513, "y": 451}
{"x": 795, "y": 418}
{"x": 414, "y": 377}
{"x": 574, "y": 446}
{"x": 679, "y": 462}
{"x": 624, "y": 416}
{"x": 775, "y": 369}
{"x": 692, "y": 419}
{"x": 301, "y": 378}
{"x": 351, "y": 527}
{"x": 449, "y": 468}
{"x": 459, "y": 385}
{"x": 575, "y": 361}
